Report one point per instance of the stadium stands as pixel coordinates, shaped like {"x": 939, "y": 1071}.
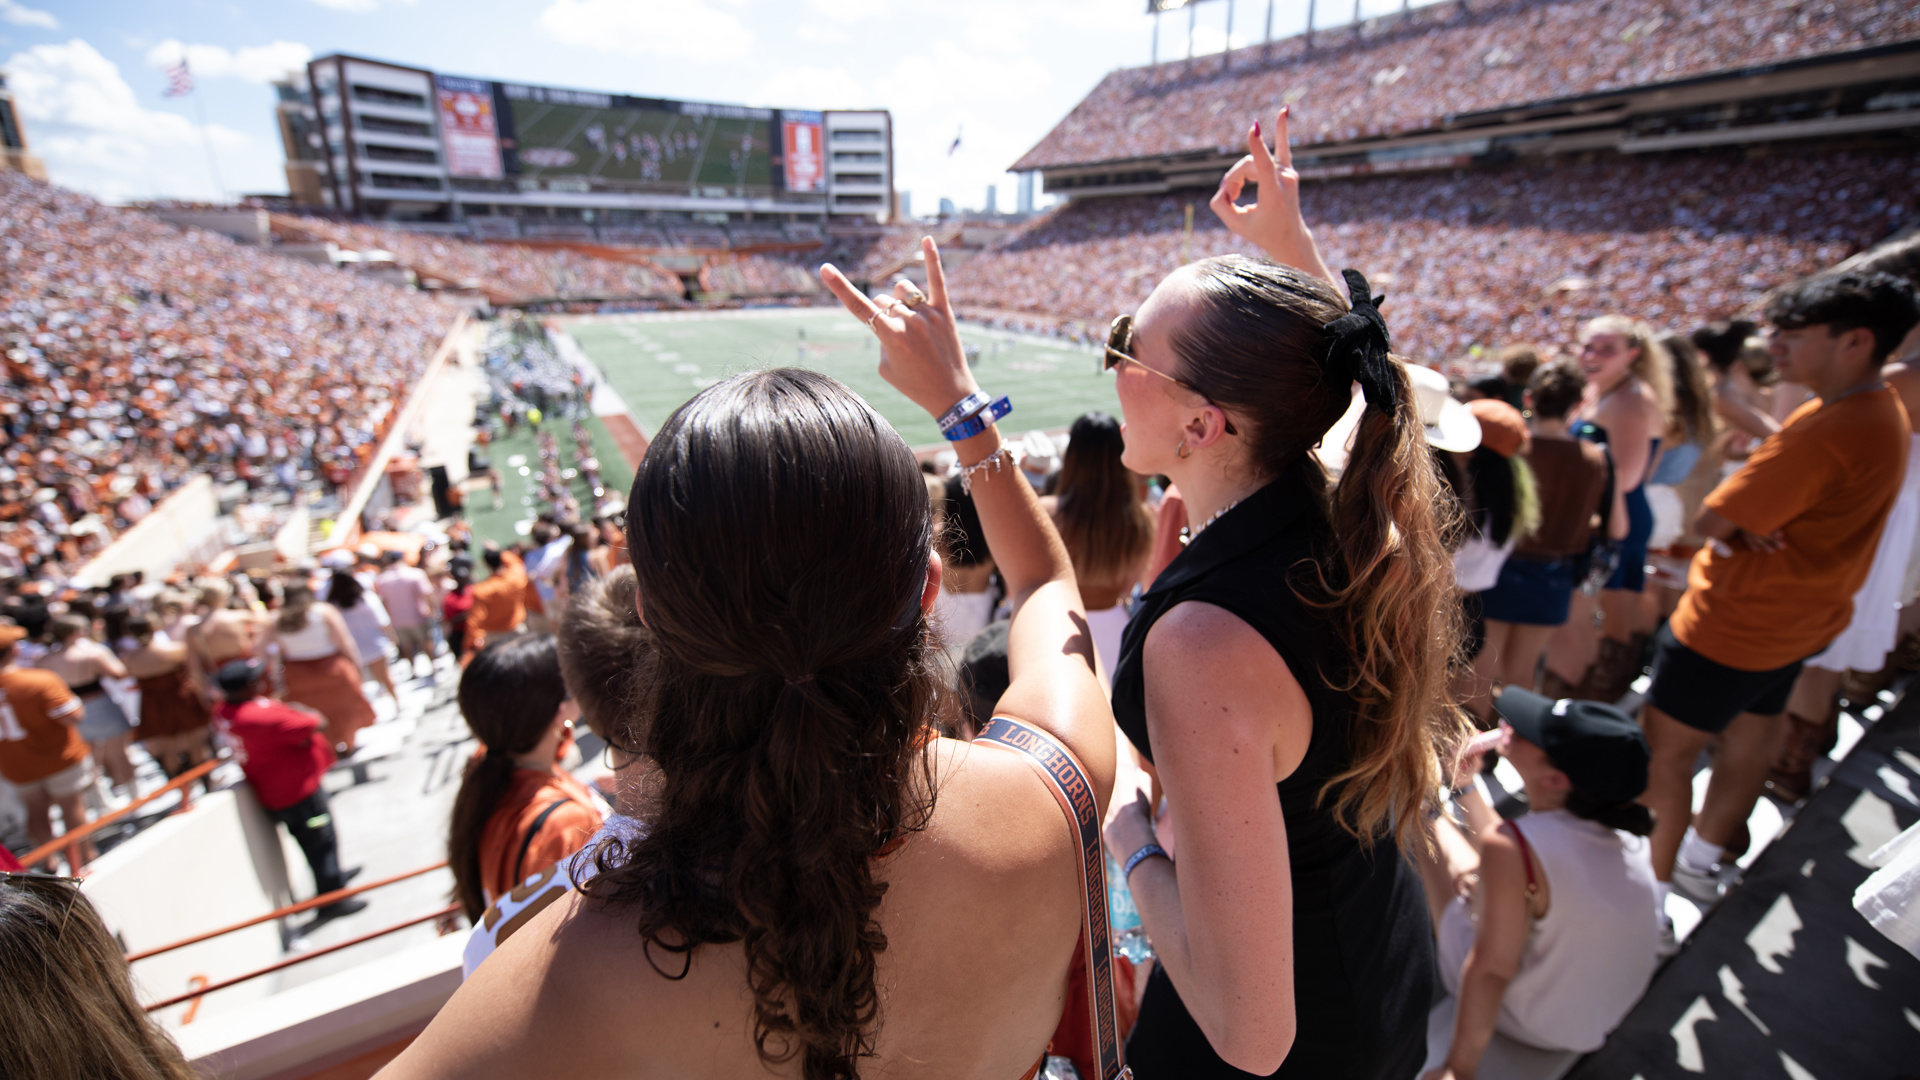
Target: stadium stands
{"x": 1414, "y": 71}
{"x": 138, "y": 352}
{"x": 508, "y": 272}
{"x": 761, "y": 276}
{"x": 1490, "y": 256}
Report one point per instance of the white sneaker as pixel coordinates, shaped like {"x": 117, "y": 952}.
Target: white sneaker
{"x": 1669, "y": 941}
{"x": 1703, "y": 887}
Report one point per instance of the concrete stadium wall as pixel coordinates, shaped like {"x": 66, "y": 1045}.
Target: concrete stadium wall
{"x": 220, "y": 863}
{"x": 170, "y": 535}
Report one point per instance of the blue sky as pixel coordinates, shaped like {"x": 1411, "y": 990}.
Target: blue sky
{"x": 86, "y": 74}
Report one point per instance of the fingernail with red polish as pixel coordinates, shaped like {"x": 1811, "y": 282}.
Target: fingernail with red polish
{"x": 1256, "y": 127}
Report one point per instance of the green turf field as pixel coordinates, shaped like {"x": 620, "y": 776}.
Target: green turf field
{"x": 508, "y": 524}
{"x": 656, "y": 364}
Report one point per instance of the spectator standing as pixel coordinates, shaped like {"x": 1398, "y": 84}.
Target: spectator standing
{"x": 1503, "y": 509}
{"x": 1547, "y": 927}
{"x": 41, "y": 752}
{"x": 280, "y": 748}
{"x": 81, "y": 663}
{"x": 1792, "y": 537}
{"x": 174, "y": 718}
{"x": 967, "y": 594}
{"x": 70, "y": 1010}
{"x": 1628, "y": 401}
{"x": 456, "y": 605}
{"x": 518, "y": 812}
{"x": 1691, "y": 430}
{"x": 1290, "y": 932}
{"x": 499, "y": 609}
{"x": 408, "y": 595}
{"x": 1106, "y": 526}
{"x": 1535, "y": 587}
{"x": 1517, "y": 365}
{"x": 367, "y": 621}
{"x": 320, "y": 664}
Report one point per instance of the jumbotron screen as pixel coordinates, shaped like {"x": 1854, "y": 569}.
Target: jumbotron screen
{"x": 538, "y": 132}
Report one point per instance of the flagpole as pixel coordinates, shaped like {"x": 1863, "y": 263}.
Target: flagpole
{"x": 206, "y": 139}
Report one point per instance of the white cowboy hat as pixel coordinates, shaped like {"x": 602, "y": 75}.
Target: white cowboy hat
{"x": 1450, "y": 424}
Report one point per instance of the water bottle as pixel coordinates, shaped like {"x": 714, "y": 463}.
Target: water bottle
{"x": 1129, "y": 938}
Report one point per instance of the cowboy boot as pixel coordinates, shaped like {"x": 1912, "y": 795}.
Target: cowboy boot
{"x": 1791, "y": 777}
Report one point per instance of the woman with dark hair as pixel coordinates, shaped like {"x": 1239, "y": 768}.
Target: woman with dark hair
{"x": 68, "y": 1010}
{"x": 1548, "y": 926}
{"x": 1501, "y": 507}
{"x": 812, "y": 848}
{"x": 320, "y": 664}
{"x": 518, "y": 812}
{"x": 367, "y": 620}
{"x": 967, "y": 597}
{"x": 1738, "y": 397}
{"x": 1287, "y": 673}
{"x": 1106, "y": 525}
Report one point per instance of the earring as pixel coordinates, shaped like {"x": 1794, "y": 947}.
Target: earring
{"x": 1181, "y": 451}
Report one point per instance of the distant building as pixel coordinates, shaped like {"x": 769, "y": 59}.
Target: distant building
{"x": 1025, "y": 205}
{"x": 14, "y": 155}
{"x": 906, "y": 206}
{"x": 391, "y": 142}
{"x": 946, "y": 208}
{"x": 993, "y": 199}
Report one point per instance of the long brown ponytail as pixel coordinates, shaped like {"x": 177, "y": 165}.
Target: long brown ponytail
{"x": 1260, "y": 345}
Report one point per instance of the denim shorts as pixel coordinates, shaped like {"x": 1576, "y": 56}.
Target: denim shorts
{"x": 1531, "y": 592}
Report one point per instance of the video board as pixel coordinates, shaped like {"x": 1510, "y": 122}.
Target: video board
{"x": 649, "y": 141}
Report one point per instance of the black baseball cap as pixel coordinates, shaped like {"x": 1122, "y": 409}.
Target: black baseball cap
{"x": 237, "y": 677}
{"x": 1599, "y": 747}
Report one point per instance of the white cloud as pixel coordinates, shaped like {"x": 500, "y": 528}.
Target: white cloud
{"x": 353, "y": 5}
{"x": 814, "y": 88}
{"x": 675, "y": 28}
{"x": 94, "y": 134}
{"x": 847, "y": 11}
{"x": 254, "y": 64}
{"x": 22, "y": 15}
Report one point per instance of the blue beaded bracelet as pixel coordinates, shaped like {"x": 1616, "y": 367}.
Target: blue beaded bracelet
{"x": 977, "y": 423}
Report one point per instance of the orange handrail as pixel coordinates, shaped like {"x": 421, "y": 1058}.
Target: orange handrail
{"x": 70, "y": 840}
{"x": 291, "y": 909}
{"x": 292, "y": 960}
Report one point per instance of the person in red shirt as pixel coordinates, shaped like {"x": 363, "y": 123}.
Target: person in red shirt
{"x": 280, "y": 749}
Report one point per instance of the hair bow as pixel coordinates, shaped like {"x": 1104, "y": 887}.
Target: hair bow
{"x": 1358, "y": 350}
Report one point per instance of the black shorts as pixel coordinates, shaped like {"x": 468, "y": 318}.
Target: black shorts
{"x": 1706, "y": 695}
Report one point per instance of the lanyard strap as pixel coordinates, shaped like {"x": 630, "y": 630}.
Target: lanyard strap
{"x": 1075, "y": 795}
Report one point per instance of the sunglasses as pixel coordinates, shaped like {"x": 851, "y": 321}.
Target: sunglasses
{"x": 42, "y": 881}
{"x": 1120, "y": 337}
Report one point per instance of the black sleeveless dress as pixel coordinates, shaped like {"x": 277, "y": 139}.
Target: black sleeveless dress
{"x": 1363, "y": 947}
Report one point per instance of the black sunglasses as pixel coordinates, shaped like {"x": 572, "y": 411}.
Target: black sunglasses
{"x": 1120, "y": 337}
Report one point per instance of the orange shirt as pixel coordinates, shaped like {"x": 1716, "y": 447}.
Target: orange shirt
{"x": 498, "y": 602}
{"x": 1826, "y": 481}
{"x": 561, "y": 834}
{"x": 39, "y": 718}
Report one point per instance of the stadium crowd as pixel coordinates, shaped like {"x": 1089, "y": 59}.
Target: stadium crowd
{"x": 138, "y": 353}
{"x": 1488, "y": 257}
{"x": 509, "y": 272}
{"x": 1408, "y": 72}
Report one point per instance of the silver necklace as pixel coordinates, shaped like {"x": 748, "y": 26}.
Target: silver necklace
{"x": 1187, "y": 534}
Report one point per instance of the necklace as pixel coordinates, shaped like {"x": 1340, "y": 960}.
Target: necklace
{"x": 1187, "y": 534}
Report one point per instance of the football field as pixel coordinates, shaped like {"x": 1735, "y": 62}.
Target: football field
{"x": 657, "y": 362}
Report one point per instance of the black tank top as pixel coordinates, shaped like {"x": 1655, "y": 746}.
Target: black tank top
{"x": 1363, "y": 945}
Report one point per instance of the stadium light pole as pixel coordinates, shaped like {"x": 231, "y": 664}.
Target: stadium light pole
{"x": 1191, "y": 9}
{"x": 1269, "y": 38}
{"x": 1356, "y": 12}
{"x": 1226, "y": 55}
{"x": 1155, "y": 61}
{"x": 1310, "y": 23}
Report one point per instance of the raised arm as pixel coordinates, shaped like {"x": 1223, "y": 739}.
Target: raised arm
{"x": 1049, "y": 648}
{"x": 1274, "y": 222}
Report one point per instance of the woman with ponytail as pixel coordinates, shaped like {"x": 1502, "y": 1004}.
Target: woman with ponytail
{"x": 518, "y": 812}
{"x": 825, "y": 888}
{"x": 1287, "y": 673}
{"x": 1548, "y": 926}
{"x": 1105, "y": 524}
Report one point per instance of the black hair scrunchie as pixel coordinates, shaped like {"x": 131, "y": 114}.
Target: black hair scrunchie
{"x": 1358, "y": 349}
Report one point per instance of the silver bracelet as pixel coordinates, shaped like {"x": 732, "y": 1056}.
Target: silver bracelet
{"x": 994, "y": 462}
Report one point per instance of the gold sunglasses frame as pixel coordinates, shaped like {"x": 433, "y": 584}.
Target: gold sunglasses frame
{"x": 1119, "y": 335}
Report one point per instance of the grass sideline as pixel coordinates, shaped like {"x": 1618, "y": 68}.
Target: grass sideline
{"x": 656, "y": 363}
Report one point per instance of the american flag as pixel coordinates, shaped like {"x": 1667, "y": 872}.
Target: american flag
{"x": 179, "y": 79}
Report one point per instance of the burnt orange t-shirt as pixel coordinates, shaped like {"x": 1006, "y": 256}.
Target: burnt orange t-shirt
{"x": 1826, "y": 481}
{"x": 560, "y": 835}
{"x": 38, "y": 736}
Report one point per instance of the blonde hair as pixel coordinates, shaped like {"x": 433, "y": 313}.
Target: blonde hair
{"x": 1654, "y": 366}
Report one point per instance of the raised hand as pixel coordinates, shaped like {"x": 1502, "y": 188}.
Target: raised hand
{"x": 1274, "y": 222}
{"x": 920, "y": 353}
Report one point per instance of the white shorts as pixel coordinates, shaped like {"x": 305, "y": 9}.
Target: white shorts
{"x": 64, "y": 784}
